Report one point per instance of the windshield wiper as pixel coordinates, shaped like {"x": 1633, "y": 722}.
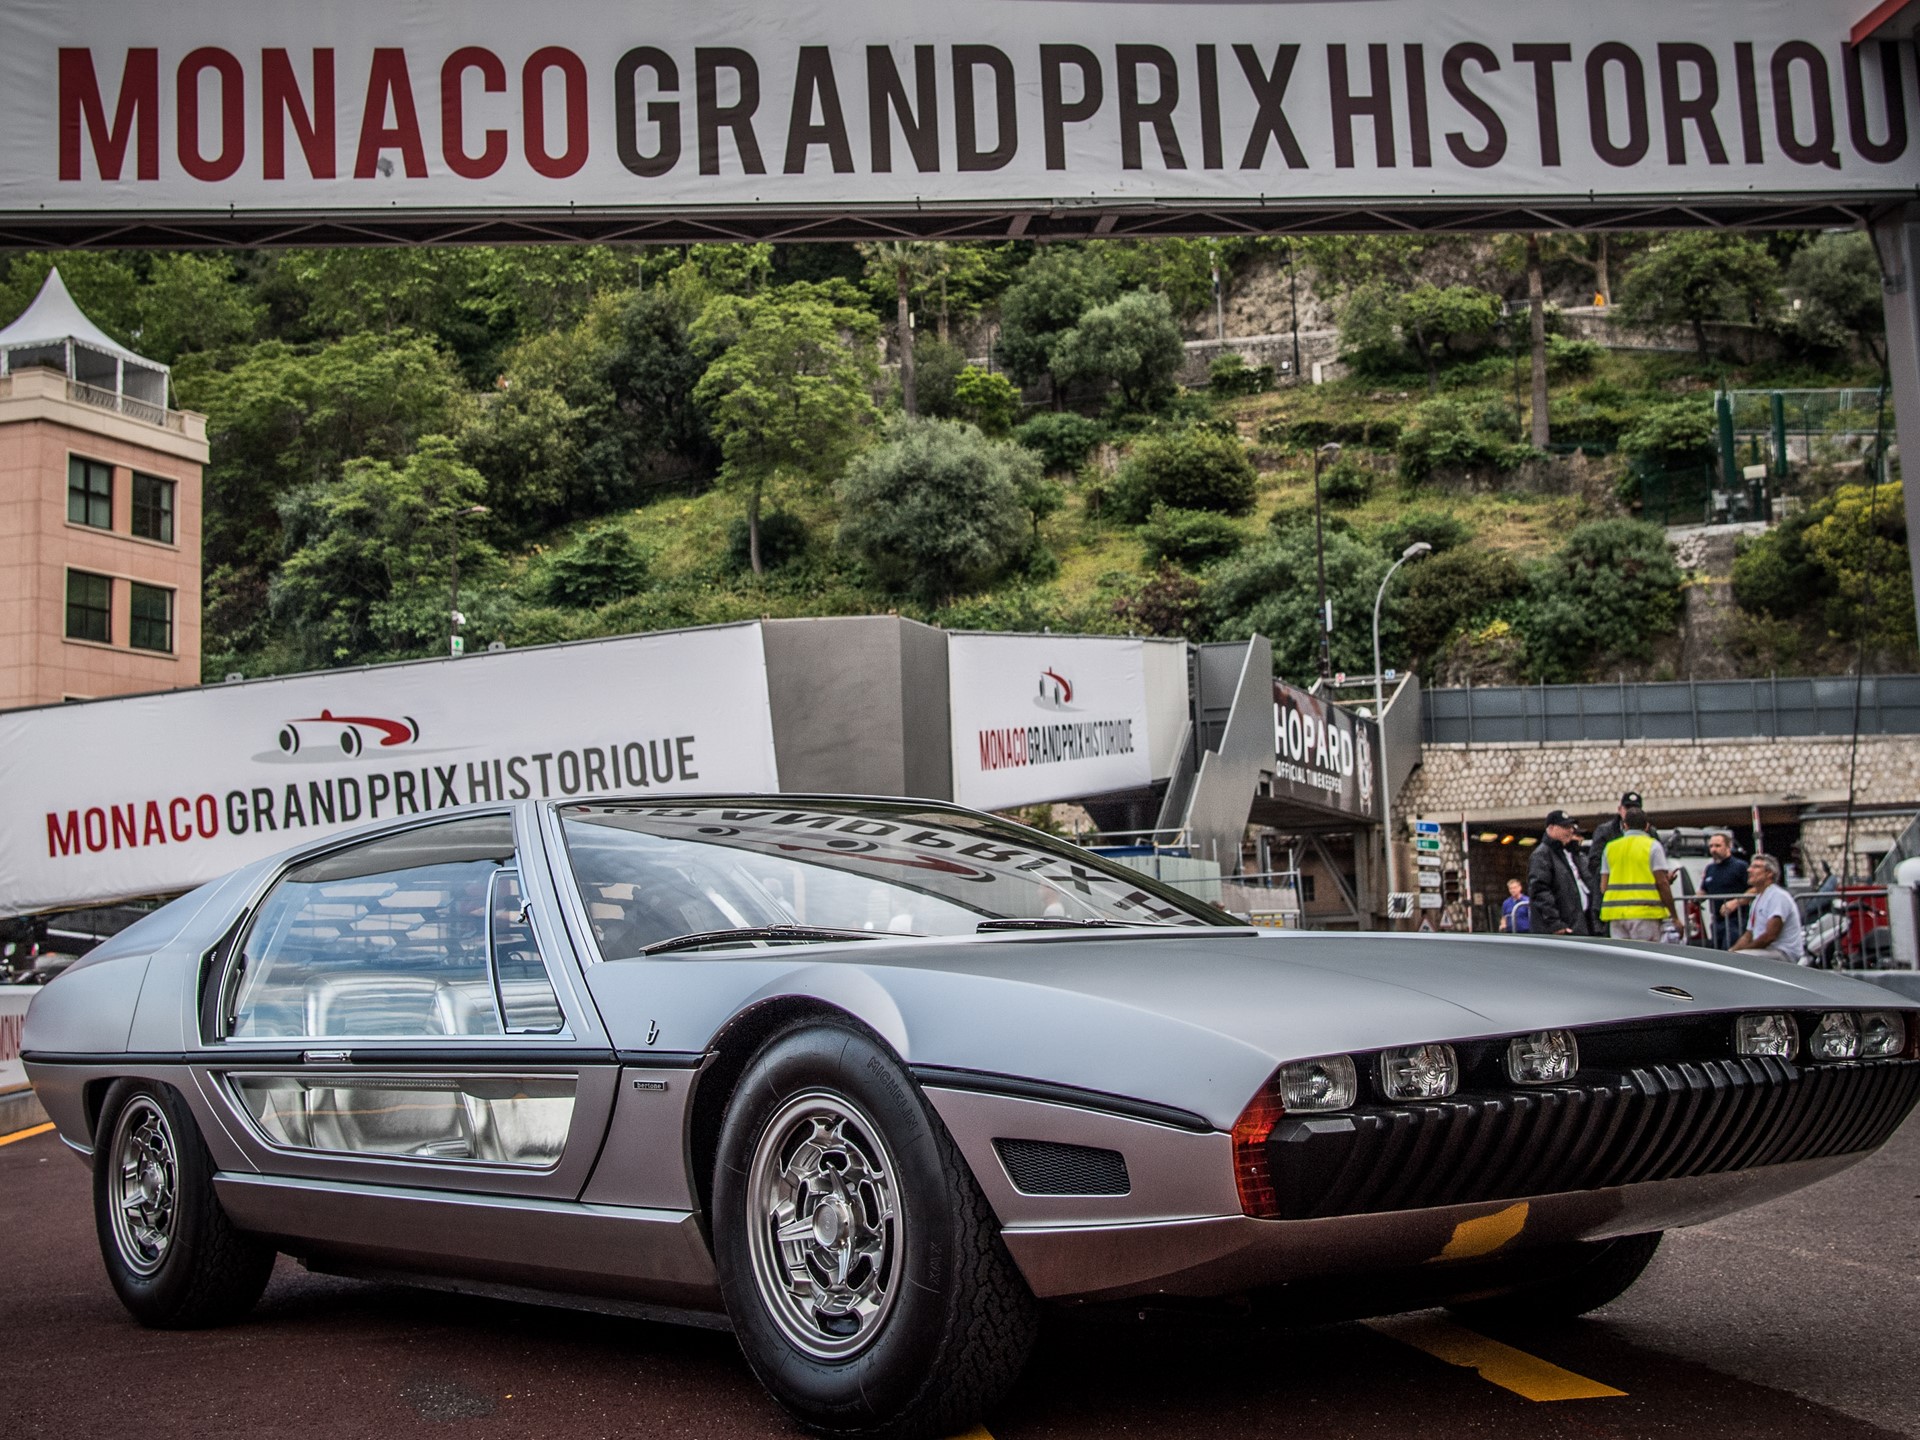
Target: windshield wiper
{"x": 767, "y": 932}
{"x": 1056, "y": 922}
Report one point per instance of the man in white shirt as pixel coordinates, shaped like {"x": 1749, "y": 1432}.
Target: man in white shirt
{"x": 1773, "y": 923}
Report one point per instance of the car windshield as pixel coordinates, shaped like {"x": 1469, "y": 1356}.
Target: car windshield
{"x": 653, "y": 873}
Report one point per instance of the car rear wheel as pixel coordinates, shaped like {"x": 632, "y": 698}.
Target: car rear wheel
{"x": 863, "y": 1270}
{"x": 1600, "y": 1273}
{"x": 174, "y": 1257}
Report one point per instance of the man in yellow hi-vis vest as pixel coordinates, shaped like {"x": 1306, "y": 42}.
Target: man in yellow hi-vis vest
{"x": 1636, "y": 893}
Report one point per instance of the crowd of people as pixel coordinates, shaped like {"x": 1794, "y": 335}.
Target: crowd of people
{"x": 1621, "y": 884}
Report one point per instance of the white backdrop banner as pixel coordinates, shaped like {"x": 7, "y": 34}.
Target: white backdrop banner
{"x": 157, "y": 793}
{"x": 251, "y": 106}
{"x": 1046, "y": 717}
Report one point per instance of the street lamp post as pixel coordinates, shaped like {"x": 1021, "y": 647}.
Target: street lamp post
{"x": 1325, "y": 454}
{"x": 1412, "y": 552}
{"x": 455, "y": 646}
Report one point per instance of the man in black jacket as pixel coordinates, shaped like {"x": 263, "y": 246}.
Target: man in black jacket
{"x": 1558, "y": 885}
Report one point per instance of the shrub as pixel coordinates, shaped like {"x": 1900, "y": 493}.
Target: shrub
{"x": 1608, "y": 592}
{"x": 1378, "y": 434}
{"x": 1190, "y": 469}
{"x": 783, "y": 537}
{"x": 1842, "y": 562}
{"x": 937, "y": 367}
{"x": 1168, "y": 604}
{"x": 1274, "y": 590}
{"x": 600, "y": 566}
{"x": 1189, "y": 538}
{"x": 1572, "y": 357}
{"x": 1230, "y": 375}
{"x": 986, "y": 399}
{"x": 1446, "y": 437}
{"x": 1060, "y": 438}
{"x": 1672, "y": 434}
{"x": 1445, "y": 594}
{"x": 1776, "y": 574}
{"x": 936, "y": 508}
{"x": 1346, "y": 482}
{"x": 1440, "y": 530}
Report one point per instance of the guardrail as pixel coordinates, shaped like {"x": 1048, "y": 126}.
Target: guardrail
{"x": 1677, "y": 710}
{"x": 125, "y": 405}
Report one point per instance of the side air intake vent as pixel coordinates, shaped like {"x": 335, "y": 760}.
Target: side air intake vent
{"x": 1041, "y": 1167}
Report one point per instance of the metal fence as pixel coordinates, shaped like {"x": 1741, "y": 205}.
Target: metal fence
{"x": 1679, "y": 710}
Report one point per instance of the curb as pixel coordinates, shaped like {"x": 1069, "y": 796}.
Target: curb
{"x": 20, "y": 1110}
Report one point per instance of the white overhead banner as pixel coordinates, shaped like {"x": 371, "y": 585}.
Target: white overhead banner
{"x": 258, "y": 106}
{"x": 158, "y": 793}
{"x": 1046, "y": 717}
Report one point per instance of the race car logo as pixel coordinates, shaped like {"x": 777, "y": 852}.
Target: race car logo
{"x": 349, "y": 733}
{"x": 1055, "y": 693}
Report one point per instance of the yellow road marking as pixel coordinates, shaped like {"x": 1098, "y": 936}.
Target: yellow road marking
{"x": 1474, "y": 1238}
{"x": 1525, "y": 1375}
{"x": 27, "y": 1134}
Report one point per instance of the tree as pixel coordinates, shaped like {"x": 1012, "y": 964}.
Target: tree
{"x": 368, "y": 554}
{"x": 903, "y": 262}
{"x": 1607, "y": 594}
{"x": 1043, "y": 304}
{"x": 195, "y": 303}
{"x": 637, "y": 404}
{"x": 937, "y": 508}
{"x": 1672, "y": 434}
{"x": 790, "y": 395}
{"x": 1537, "y": 342}
{"x": 1860, "y": 540}
{"x": 1434, "y": 321}
{"x": 986, "y": 399}
{"x": 1696, "y": 276}
{"x": 1273, "y": 591}
{"x": 1835, "y": 280}
{"x": 601, "y": 566}
{"x": 1132, "y": 343}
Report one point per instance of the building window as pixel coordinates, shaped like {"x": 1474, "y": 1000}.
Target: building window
{"x": 152, "y": 507}
{"x": 89, "y": 607}
{"x": 89, "y": 493}
{"x": 152, "y": 627}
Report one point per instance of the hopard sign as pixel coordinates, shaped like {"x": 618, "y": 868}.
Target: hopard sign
{"x": 224, "y": 109}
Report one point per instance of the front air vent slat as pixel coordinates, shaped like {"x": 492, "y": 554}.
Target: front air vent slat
{"x": 1046, "y": 1167}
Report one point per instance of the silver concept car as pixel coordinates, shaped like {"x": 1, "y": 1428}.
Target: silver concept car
{"x": 870, "y": 1081}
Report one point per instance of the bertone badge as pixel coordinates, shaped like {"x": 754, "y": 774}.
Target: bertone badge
{"x": 1674, "y": 990}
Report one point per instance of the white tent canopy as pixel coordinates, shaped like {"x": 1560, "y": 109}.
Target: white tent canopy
{"x": 54, "y": 332}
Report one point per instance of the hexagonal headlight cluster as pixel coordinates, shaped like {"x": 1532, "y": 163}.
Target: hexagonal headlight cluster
{"x": 1837, "y": 1035}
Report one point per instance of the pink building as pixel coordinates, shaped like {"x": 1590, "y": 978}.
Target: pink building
{"x": 99, "y": 514}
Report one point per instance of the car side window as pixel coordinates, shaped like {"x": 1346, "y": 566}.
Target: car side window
{"x": 403, "y": 936}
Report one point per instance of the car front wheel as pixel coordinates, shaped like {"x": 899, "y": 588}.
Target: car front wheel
{"x": 174, "y": 1257}
{"x": 863, "y": 1270}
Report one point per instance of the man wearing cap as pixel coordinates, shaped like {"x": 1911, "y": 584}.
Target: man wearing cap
{"x": 1559, "y": 891}
{"x": 1636, "y": 895}
{"x": 1773, "y": 923}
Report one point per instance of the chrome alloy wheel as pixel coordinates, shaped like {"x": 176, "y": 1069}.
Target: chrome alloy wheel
{"x": 825, "y": 1225}
{"x": 145, "y": 1181}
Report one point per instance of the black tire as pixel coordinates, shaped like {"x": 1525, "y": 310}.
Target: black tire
{"x": 958, "y": 1321}
{"x": 174, "y": 1257}
{"x": 1600, "y": 1273}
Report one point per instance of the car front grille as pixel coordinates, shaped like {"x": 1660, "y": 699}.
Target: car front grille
{"x": 1659, "y": 1122}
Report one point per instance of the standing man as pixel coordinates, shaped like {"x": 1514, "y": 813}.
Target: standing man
{"x": 1604, "y": 834}
{"x": 1636, "y": 896}
{"x": 1516, "y": 910}
{"x": 1559, "y": 892}
{"x": 1773, "y": 925}
{"x": 1726, "y": 874}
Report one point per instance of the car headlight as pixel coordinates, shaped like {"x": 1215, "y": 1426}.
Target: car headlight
{"x": 1883, "y": 1034}
{"x": 1328, "y": 1083}
{"x": 1419, "y": 1072}
{"x": 1545, "y": 1057}
{"x": 1836, "y": 1037}
{"x": 1766, "y": 1035}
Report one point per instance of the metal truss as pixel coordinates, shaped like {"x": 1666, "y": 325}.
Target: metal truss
{"x": 1035, "y": 220}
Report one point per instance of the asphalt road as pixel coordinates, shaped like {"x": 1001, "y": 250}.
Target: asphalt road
{"x": 1799, "y": 1319}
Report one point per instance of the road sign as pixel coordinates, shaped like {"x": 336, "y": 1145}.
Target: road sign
{"x": 1426, "y": 844}
{"x": 1400, "y": 905}
{"x": 1429, "y": 900}
{"x": 1429, "y": 879}
{"x": 1426, "y": 827}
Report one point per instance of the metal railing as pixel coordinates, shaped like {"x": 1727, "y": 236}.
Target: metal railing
{"x": 1676, "y": 710}
{"x": 125, "y": 405}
